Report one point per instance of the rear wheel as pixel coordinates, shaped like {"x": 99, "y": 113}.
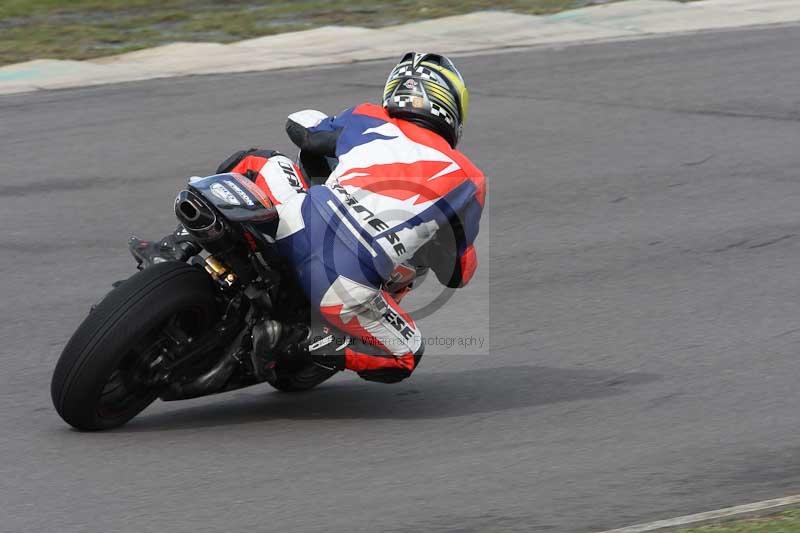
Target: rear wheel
{"x": 104, "y": 376}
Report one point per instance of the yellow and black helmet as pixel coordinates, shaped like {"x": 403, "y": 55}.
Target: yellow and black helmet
{"x": 428, "y": 90}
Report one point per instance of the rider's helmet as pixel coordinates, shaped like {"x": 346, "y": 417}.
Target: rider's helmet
{"x": 428, "y": 90}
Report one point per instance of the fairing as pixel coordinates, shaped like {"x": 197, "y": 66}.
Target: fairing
{"x": 236, "y": 197}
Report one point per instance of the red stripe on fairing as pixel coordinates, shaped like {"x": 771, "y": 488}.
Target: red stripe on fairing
{"x": 251, "y": 162}
{"x": 256, "y": 163}
{"x": 359, "y": 362}
{"x": 262, "y": 184}
{"x": 469, "y": 264}
{"x": 405, "y": 180}
{"x": 254, "y": 190}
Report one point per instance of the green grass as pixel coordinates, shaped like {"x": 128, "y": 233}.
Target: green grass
{"x": 786, "y": 522}
{"x": 82, "y": 29}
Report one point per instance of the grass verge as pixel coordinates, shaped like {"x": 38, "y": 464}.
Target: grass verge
{"x": 785, "y": 522}
{"x": 83, "y": 29}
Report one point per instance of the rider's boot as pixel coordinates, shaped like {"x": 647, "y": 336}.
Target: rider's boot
{"x": 177, "y": 246}
{"x": 318, "y": 345}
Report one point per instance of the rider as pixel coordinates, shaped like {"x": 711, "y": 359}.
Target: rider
{"x": 400, "y": 193}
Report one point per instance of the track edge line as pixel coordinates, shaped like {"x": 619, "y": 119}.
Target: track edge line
{"x": 762, "y": 508}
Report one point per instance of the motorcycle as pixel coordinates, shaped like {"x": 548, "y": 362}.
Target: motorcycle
{"x": 178, "y": 330}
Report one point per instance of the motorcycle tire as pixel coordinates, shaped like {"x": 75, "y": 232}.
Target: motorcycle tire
{"x": 92, "y": 386}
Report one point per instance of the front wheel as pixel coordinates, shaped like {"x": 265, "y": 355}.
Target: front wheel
{"x": 101, "y": 381}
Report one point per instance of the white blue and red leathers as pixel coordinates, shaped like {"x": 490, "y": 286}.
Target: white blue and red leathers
{"x": 400, "y": 193}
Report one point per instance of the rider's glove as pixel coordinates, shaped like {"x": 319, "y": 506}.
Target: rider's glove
{"x": 302, "y": 128}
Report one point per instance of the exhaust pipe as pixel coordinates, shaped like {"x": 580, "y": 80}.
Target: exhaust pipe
{"x": 199, "y": 219}
{"x": 213, "y": 381}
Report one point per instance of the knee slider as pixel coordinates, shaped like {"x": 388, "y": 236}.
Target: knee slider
{"x": 392, "y": 375}
{"x": 385, "y": 375}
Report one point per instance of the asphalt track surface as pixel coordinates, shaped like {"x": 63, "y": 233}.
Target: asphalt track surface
{"x": 642, "y": 268}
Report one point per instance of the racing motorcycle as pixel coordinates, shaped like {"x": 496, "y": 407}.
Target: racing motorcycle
{"x": 178, "y": 330}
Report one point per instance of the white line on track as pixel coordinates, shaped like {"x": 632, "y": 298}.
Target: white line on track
{"x": 756, "y": 509}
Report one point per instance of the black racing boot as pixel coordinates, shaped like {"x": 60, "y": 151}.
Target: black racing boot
{"x": 319, "y": 345}
{"x": 324, "y": 346}
{"x": 177, "y": 246}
